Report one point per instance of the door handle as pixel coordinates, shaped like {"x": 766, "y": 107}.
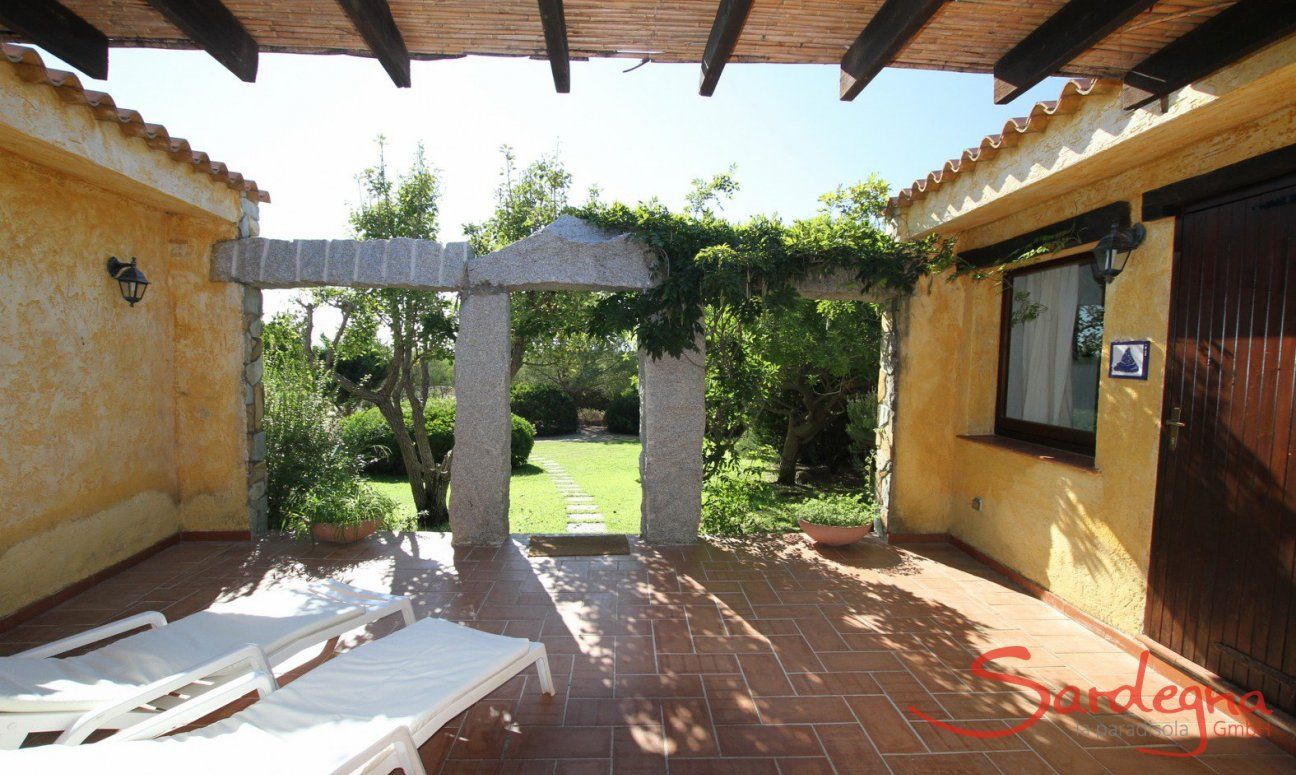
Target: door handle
{"x": 1174, "y": 424}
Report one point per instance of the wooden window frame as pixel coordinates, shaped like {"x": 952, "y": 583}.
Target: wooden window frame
{"x": 1054, "y": 436}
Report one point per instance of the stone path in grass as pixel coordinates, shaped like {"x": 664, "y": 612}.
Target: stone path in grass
{"x": 582, "y": 513}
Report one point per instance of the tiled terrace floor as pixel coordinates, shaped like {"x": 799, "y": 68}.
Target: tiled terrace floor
{"x": 750, "y": 656}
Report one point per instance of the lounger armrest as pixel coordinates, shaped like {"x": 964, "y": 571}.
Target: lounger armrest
{"x": 259, "y": 678}
{"x": 103, "y": 632}
{"x": 399, "y": 743}
{"x": 379, "y": 604}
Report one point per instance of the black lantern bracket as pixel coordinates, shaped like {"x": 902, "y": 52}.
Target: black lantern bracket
{"x": 1113, "y": 250}
{"x": 130, "y": 280}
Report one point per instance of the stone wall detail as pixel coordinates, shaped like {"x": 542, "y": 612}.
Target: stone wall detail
{"x": 672, "y": 418}
{"x": 254, "y": 409}
{"x": 888, "y": 380}
{"x": 480, "y": 465}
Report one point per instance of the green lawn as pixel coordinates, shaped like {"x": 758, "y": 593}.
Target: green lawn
{"x": 607, "y": 469}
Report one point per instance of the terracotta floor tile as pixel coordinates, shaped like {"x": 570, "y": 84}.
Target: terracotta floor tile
{"x": 658, "y": 686}
{"x": 804, "y": 710}
{"x": 890, "y": 732}
{"x": 764, "y": 675}
{"x": 805, "y": 766}
{"x": 834, "y": 683}
{"x": 776, "y": 741}
{"x": 605, "y": 712}
{"x": 697, "y": 663}
{"x": 560, "y": 743}
{"x": 850, "y": 749}
{"x": 942, "y": 764}
{"x": 1019, "y": 762}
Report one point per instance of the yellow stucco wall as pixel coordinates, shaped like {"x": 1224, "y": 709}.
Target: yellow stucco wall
{"x": 121, "y": 425}
{"x": 1083, "y": 534}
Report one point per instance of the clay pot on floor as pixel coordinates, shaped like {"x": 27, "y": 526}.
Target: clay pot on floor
{"x": 831, "y": 535}
{"x": 344, "y": 534}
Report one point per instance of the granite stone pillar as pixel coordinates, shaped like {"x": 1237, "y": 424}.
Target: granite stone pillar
{"x": 480, "y": 468}
{"x": 672, "y": 416}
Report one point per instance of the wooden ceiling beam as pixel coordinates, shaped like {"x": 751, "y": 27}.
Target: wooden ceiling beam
{"x": 217, "y": 31}
{"x": 1077, "y": 27}
{"x": 1221, "y": 40}
{"x": 60, "y": 32}
{"x": 555, "y": 32}
{"x": 373, "y": 20}
{"x": 887, "y": 33}
{"x": 731, "y": 17}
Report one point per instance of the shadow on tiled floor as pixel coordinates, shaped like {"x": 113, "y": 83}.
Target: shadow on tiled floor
{"x": 750, "y": 656}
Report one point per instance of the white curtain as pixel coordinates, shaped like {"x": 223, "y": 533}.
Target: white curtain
{"x": 1046, "y": 343}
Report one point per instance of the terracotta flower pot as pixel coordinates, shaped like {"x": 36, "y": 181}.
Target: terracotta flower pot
{"x": 344, "y": 534}
{"x": 831, "y": 535}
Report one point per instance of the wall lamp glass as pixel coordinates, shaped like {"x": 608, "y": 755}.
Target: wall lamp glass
{"x": 130, "y": 279}
{"x": 1113, "y": 251}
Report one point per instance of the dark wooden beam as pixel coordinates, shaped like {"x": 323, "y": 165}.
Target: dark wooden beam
{"x": 60, "y": 32}
{"x": 1238, "y": 30}
{"x": 217, "y": 31}
{"x": 730, "y": 19}
{"x": 888, "y": 32}
{"x": 555, "y": 32}
{"x": 1073, "y": 30}
{"x": 1082, "y": 229}
{"x": 1172, "y": 199}
{"x": 373, "y": 20}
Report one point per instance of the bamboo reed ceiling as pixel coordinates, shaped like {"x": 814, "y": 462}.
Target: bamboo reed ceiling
{"x": 967, "y": 35}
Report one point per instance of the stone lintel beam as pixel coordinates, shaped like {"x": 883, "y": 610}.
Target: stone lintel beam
{"x": 672, "y": 417}
{"x": 404, "y": 263}
{"x": 480, "y": 466}
{"x": 567, "y": 255}
{"x": 840, "y": 285}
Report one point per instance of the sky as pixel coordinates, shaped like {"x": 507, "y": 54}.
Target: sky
{"x": 309, "y": 124}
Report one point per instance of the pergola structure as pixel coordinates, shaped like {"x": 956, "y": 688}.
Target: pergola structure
{"x": 1154, "y": 46}
{"x": 568, "y": 255}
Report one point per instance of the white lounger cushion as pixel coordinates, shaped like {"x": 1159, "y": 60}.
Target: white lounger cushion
{"x": 271, "y": 619}
{"x": 318, "y": 722}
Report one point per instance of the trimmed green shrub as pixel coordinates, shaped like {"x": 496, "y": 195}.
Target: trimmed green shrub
{"x": 622, "y": 414}
{"x": 839, "y": 510}
{"x": 368, "y": 436}
{"x": 546, "y": 407}
{"x": 311, "y": 475}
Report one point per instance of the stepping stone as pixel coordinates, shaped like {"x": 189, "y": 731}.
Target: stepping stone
{"x": 579, "y": 507}
{"x": 588, "y": 527}
{"x": 584, "y": 518}
{"x": 581, "y": 498}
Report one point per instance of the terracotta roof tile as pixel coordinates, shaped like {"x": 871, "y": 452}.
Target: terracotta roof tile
{"x": 991, "y": 145}
{"x": 31, "y": 68}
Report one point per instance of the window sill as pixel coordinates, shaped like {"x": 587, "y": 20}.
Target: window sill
{"x": 1037, "y": 451}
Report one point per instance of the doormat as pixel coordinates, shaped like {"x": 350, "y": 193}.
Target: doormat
{"x": 577, "y": 546}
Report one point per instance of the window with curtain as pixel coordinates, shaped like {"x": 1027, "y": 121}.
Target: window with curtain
{"x": 1049, "y": 356}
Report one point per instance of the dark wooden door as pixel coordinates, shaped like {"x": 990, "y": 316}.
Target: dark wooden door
{"x": 1220, "y": 584}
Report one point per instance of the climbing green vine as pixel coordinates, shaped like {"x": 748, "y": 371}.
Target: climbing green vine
{"x": 740, "y": 270}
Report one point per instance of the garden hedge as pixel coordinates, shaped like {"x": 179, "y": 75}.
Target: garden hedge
{"x": 547, "y": 407}
{"x": 367, "y": 435}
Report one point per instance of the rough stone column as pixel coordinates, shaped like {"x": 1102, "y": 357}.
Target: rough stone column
{"x": 479, "y": 470}
{"x": 254, "y": 407}
{"x": 888, "y": 379}
{"x": 672, "y": 416}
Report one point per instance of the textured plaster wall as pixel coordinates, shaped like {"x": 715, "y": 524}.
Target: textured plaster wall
{"x": 121, "y": 425}
{"x": 1083, "y": 534}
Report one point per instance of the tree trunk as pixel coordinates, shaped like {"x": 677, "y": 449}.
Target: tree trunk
{"x": 517, "y": 350}
{"x": 790, "y": 453}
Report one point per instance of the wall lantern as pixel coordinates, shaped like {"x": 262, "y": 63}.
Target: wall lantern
{"x": 130, "y": 279}
{"x": 1113, "y": 251}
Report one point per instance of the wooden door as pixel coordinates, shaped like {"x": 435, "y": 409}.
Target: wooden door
{"x": 1220, "y": 583}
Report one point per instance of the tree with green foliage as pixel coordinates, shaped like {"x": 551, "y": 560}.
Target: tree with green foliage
{"x": 526, "y": 201}
{"x": 419, "y": 328}
{"x": 737, "y": 281}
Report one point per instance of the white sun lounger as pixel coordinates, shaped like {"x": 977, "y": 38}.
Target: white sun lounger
{"x": 364, "y": 711}
{"x": 235, "y": 645}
